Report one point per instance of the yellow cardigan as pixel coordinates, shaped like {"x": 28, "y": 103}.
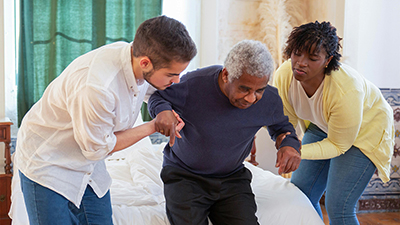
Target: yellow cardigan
{"x": 356, "y": 112}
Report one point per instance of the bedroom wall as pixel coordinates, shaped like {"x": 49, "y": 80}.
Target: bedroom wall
{"x": 240, "y": 19}
{"x": 371, "y": 40}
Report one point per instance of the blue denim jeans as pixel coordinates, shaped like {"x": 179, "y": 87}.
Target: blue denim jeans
{"x": 46, "y": 207}
{"x": 344, "y": 179}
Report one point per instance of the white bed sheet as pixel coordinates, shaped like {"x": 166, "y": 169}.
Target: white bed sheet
{"x": 278, "y": 200}
{"x": 137, "y": 195}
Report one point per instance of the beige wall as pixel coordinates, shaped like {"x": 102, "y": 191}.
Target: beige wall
{"x": 371, "y": 40}
{"x": 240, "y": 19}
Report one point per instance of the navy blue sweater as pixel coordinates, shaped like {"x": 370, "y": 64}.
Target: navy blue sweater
{"x": 217, "y": 136}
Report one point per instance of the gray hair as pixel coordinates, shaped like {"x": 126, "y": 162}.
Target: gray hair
{"x": 251, "y": 57}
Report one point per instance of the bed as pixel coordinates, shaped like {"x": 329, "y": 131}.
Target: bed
{"x": 137, "y": 192}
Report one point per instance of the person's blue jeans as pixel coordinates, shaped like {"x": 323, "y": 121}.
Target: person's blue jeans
{"x": 46, "y": 207}
{"x": 344, "y": 179}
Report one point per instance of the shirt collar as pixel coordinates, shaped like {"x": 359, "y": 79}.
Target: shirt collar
{"x": 126, "y": 58}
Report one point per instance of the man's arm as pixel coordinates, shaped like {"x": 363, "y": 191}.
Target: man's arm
{"x": 284, "y": 134}
{"x": 130, "y": 136}
{"x": 286, "y": 142}
{"x": 288, "y": 159}
{"x": 169, "y": 124}
{"x": 161, "y": 103}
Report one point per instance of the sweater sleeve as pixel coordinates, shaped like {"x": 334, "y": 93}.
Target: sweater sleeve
{"x": 280, "y": 124}
{"x": 283, "y": 126}
{"x": 173, "y": 97}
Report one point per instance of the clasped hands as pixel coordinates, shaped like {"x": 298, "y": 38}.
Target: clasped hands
{"x": 169, "y": 123}
{"x": 288, "y": 159}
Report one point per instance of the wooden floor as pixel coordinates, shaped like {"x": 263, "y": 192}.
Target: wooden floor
{"x": 392, "y": 218}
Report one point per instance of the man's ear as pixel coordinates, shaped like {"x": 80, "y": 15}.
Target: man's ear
{"x": 225, "y": 75}
{"x": 145, "y": 64}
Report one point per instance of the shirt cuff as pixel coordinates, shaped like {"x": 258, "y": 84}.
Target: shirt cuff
{"x": 102, "y": 152}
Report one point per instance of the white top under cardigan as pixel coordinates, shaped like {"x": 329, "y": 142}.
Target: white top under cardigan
{"x": 308, "y": 108}
{"x": 65, "y": 137}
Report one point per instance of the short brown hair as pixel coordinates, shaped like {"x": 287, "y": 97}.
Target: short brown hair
{"x": 163, "y": 40}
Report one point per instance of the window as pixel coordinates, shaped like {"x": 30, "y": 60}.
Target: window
{"x": 10, "y": 21}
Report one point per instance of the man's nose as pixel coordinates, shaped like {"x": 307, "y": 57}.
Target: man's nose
{"x": 251, "y": 97}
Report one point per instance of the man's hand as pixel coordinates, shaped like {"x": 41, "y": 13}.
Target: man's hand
{"x": 288, "y": 159}
{"x": 180, "y": 125}
{"x": 169, "y": 124}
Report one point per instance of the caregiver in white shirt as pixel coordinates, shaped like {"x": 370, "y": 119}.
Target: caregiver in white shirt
{"x": 87, "y": 113}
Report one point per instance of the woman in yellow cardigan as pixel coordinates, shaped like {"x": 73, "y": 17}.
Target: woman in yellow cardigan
{"x": 349, "y": 125}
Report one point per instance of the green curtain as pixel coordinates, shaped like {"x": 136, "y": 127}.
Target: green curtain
{"x": 55, "y": 32}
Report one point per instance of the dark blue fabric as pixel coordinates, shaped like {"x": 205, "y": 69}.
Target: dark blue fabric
{"x": 217, "y": 136}
{"x": 191, "y": 198}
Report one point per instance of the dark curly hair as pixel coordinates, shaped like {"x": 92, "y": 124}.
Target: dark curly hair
{"x": 322, "y": 35}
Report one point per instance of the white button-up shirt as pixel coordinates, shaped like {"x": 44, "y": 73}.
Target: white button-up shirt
{"x": 65, "y": 137}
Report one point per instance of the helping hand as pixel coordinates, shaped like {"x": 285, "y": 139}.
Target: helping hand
{"x": 288, "y": 159}
{"x": 169, "y": 124}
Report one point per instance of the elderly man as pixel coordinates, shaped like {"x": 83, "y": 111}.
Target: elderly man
{"x": 222, "y": 109}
